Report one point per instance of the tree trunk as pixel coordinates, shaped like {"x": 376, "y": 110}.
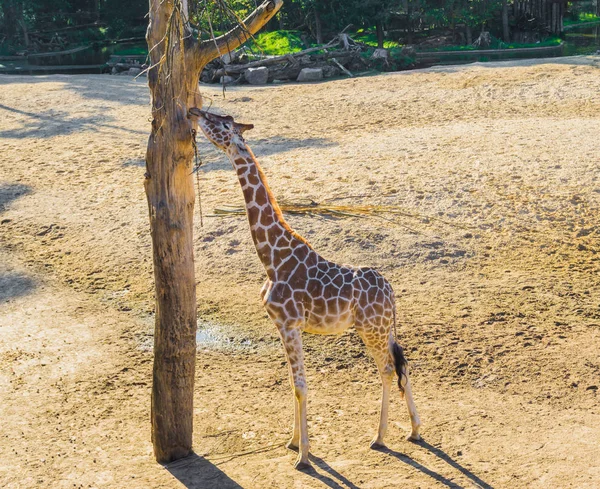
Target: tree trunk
{"x": 469, "y": 34}
{"x": 318, "y": 27}
{"x": 11, "y": 18}
{"x": 23, "y": 25}
{"x": 177, "y": 60}
{"x": 379, "y": 31}
{"x": 505, "y": 26}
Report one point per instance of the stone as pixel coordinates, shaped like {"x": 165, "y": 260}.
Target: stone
{"x": 257, "y": 76}
{"x": 409, "y": 51}
{"x": 310, "y": 74}
{"x": 330, "y": 71}
{"x": 229, "y": 58}
{"x": 226, "y": 80}
{"x": 380, "y": 53}
{"x": 134, "y": 71}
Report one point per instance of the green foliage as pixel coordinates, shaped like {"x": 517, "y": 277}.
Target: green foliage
{"x": 580, "y": 18}
{"x": 277, "y": 42}
{"x": 370, "y": 38}
{"x": 80, "y": 22}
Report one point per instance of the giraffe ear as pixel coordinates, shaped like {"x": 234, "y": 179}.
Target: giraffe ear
{"x": 243, "y": 127}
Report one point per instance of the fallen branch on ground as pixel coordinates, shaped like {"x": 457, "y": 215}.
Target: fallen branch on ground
{"x": 321, "y": 209}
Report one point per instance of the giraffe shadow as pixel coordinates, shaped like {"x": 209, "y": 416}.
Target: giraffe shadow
{"x": 330, "y": 477}
{"x": 433, "y": 474}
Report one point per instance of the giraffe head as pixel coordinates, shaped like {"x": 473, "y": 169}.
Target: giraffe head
{"x": 220, "y": 130}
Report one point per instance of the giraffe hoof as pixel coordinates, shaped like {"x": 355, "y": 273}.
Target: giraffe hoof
{"x": 292, "y": 446}
{"x": 377, "y": 445}
{"x": 414, "y": 437}
{"x": 300, "y": 465}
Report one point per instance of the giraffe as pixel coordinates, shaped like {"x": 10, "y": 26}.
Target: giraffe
{"x": 307, "y": 293}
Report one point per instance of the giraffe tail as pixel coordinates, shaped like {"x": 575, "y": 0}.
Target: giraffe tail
{"x": 400, "y": 363}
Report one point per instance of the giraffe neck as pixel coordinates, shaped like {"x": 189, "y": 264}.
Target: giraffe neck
{"x": 270, "y": 231}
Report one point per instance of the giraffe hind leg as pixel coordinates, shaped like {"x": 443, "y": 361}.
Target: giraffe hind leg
{"x": 379, "y": 349}
{"x": 401, "y": 366}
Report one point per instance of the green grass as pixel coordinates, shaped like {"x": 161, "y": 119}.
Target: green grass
{"x": 370, "y": 38}
{"x": 277, "y": 43}
{"x": 552, "y": 41}
{"x": 583, "y": 18}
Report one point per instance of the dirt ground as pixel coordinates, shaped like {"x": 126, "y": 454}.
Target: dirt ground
{"x": 495, "y": 261}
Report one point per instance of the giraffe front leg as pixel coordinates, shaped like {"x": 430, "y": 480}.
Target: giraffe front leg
{"x": 292, "y": 341}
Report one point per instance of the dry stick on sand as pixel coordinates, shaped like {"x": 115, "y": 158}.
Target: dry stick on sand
{"x": 315, "y": 208}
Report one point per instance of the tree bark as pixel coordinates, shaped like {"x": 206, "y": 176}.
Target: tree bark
{"x": 176, "y": 62}
{"x": 318, "y": 27}
{"x": 379, "y": 31}
{"x": 505, "y": 26}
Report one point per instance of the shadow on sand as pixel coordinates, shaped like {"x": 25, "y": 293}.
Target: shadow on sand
{"x": 336, "y": 481}
{"x": 195, "y": 472}
{"x": 55, "y": 123}
{"x": 14, "y": 284}
{"x": 431, "y": 473}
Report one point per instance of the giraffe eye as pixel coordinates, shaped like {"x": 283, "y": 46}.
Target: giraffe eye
{"x": 226, "y": 126}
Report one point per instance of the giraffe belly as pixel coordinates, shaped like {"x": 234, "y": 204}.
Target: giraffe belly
{"x": 329, "y": 324}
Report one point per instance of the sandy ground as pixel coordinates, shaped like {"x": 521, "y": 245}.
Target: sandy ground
{"x": 495, "y": 261}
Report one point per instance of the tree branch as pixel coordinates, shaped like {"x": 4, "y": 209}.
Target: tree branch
{"x": 213, "y": 48}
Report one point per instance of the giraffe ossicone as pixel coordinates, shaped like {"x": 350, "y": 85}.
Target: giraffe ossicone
{"x": 306, "y": 293}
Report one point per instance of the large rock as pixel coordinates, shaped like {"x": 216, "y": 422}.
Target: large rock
{"x": 134, "y": 71}
{"x": 409, "y": 51}
{"x": 257, "y": 76}
{"x": 226, "y": 80}
{"x": 229, "y": 58}
{"x": 330, "y": 71}
{"x": 310, "y": 74}
{"x": 381, "y": 53}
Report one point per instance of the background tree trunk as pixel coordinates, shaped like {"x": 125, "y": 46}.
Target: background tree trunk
{"x": 379, "y": 31}
{"x": 505, "y": 26}
{"x": 318, "y": 27}
{"x": 176, "y": 62}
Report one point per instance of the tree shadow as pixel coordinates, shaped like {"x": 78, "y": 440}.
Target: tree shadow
{"x": 134, "y": 162}
{"x": 56, "y": 122}
{"x": 14, "y": 284}
{"x": 336, "y": 481}
{"x": 214, "y": 159}
{"x": 10, "y": 192}
{"x": 431, "y": 473}
{"x": 131, "y": 91}
{"x": 281, "y": 144}
{"x": 125, "y": 90}
{"x": 195, "y": 472}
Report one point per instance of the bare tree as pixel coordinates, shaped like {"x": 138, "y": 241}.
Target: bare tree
{"x": 177, "y": 58}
